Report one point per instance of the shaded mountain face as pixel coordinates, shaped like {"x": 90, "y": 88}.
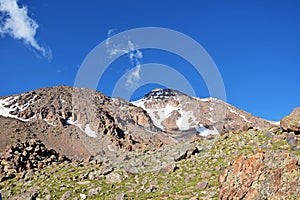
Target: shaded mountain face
{"x": 77, "y": 122}
{"x": 173, "y": 111}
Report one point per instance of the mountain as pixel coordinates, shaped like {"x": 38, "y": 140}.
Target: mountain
{"x": 77, "y": 122}
{"x": 74, "y": 143}
{"x": 174, "y": 111}
{"x": 80, "y": 122}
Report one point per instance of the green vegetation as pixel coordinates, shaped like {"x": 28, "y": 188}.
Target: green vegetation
{"x": 196, "y": 176}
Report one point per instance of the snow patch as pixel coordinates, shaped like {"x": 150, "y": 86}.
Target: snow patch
{"x": 237, "y": 113}
{"x": 186, "y": 120}
{"x": 275, "y": 123}
{"x": 6, "y": 107}
{"x": 158, "y": 115}
{"x": 204, "y": 132}
{"x": 139, "y": 103}
{"x": 205, "y": 99}
{"x": 87, "y": 129}
{"x": 61, "y": 99}
{"x": 162, "y": 114}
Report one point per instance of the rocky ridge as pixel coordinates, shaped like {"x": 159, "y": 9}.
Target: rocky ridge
{"x": 175, "y": 111}
{"x": 244, "y": 162}
{"x": 82, "y": 116}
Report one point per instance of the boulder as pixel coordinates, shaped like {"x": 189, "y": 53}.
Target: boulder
{"x": 291, "y": 123}
{"x": 113, "y": 178}
{"x": 261, "y": 176}
{"x": 31, "y": 154}
{"x": 66, "y": 195}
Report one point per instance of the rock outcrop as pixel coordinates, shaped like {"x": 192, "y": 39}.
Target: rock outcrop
{"x": 291, "y": 123}
{"x": 28, "y": 155}
{"x": 265, "y": 175}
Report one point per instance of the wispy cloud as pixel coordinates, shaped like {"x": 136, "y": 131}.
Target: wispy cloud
{"x": 15, "y": 22}
{"x": 135, "y": 56}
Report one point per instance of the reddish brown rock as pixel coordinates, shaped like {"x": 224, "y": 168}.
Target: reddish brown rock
{"x": 291, "y": 123}
{"x": 170, "y": 123}
{"x": 15, "y": 160}
{"x": 261, "y": 176}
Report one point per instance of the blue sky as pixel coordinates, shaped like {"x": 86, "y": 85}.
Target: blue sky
{"x": 255, "y": 45}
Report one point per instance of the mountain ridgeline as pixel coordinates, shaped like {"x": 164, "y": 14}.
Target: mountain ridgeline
{"x": 64, "y": 142}
{"x": 72, "y": 120}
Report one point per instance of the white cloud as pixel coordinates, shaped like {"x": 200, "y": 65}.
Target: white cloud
{"x": 16, "y": 23}
{"x": 135, "y": 56}
{"x": 134, "y": 77}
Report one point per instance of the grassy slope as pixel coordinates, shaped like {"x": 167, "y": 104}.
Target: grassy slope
{"x": 205, "y": 166}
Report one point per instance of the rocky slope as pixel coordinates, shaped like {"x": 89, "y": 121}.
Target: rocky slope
{"x": 174, "y": 111}
{"x": 60, "y": 143}
{"x": 76, "y": 122}
{"x": 26, "y": 156}
{"x": 250, "y": 165}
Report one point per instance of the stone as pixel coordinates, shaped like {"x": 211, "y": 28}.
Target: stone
{"x": 291, "y": 140}
{"x": 274, "y": 129}
{"x": 30, "y": 195}
{"x": 25, "y": 156}
{"x": 269, "y": 134}
{"x": 105, "y": 170}
{"x": 291, "y": 123}
{"x": 66, "y": 195}
{"x": 202, "y": 185}
{"x": 94, "y": 191}
{"x": 48, "y": 197}
{"x": 167, "y": 169}
{"x": 113, "y": 178}
{"x": 295, "y": 148}
{"x": 276, "y": 173}
{"x": 210, "y": 195}
{"x": 120, "y": 196}
{"x": 82, "y": 196}
{"x": 206, "y": 175}
{"x": 151, "y": 188}
{"x": 95, "y": 175}
{"x": 132, "y": 170}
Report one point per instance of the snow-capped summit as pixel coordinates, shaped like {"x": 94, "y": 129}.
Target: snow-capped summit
{"x": 170, "y": 109}
{"x": 159, "y": 93}
{"x": 175, "y": 111}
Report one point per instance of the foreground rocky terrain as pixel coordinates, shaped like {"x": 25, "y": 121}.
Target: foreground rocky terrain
{"x": 249, "y": 165}
{"x": 47, "y": 155}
